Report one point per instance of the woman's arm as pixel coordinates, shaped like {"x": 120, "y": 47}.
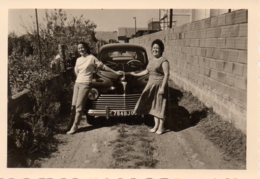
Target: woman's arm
{"x": 106, "y": 68}
{"x": 165, "y": 67}
{"x": 144, "y": 72}
{"x": 102, "y": 66}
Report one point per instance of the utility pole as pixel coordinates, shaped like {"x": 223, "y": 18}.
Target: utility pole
{"x": 38, "y": 35}
{"x": 135, "y": 23}
{"x": 160, "y": 19}
{"x": 170, "y": 18}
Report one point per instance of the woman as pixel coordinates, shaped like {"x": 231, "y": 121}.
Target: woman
{"x": 85, "y": 66}
{"x": 154, "y": 96}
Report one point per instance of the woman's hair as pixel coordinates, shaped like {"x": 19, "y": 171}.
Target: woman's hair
{"x": 160, "y": 43}
{"x": 86, "y": 46}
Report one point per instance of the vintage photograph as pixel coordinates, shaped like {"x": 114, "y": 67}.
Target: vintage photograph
{"x": 127, "y": 88}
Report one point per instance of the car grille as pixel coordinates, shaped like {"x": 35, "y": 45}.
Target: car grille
{"x": 116, "y": 101}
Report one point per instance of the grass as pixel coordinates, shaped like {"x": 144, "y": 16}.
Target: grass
{"x": 230, "y": 140}
{"x": 133, "y": 148}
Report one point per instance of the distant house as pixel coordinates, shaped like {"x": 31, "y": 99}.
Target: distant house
{"x": 125, "y": 33}
{"x": 106, "y": 36}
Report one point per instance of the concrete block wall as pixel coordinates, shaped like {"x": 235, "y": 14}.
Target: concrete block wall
{"x": 209, "y": 58}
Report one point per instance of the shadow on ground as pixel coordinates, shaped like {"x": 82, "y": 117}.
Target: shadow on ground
{"x": 178, "y": 117}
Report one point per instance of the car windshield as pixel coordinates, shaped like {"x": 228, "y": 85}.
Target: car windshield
{"x": 124, "y": 59}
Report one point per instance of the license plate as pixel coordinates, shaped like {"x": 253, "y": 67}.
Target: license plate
{"x": 121, "y": 112}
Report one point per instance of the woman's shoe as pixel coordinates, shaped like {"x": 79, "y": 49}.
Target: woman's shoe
{"x": 153, "y": 130}
{"x": 72, "y": 130}
{"x": 160, "y": 132}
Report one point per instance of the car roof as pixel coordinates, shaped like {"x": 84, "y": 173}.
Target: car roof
{"x": 121, "y": 45}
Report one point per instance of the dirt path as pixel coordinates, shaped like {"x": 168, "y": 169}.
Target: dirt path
{"x": 197, "y": 139}
{"x": 132, "y": 146}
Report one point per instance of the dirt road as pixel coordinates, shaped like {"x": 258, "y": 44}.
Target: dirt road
{"x": 197, "y": 138}
{"x": 130, "y": 145}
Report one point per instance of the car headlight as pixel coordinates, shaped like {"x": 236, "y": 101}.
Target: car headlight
{"x": 93, "y": 94}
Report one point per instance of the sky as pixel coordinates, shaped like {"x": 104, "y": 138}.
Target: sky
{"x": 20, "y": 20}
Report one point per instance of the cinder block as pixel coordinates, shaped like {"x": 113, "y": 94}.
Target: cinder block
{"x": 209, "y": 52}
{"x": 214, "y": 22}
{"x": 245, "y": 71}
{"x": 194, "y": 42}
{"x": 221, "y": 88}
{"x": 211, "y": 82}
{"x": 203, "y": 52}
{"x": 202, "y": 42}
{"x": 230, "y": 43}
{"x": 194, "y": 51}
{"x": 221, "y": 43}
{"x": 203, "y": 33}
{"x": 221, "y": 20}
{"x": 201, "y": 61}
{"x": 188, "y": 27}
{"x": 230, "y": 79}
{"x": 242, "y": 56}
{"x": 241, "y": 83}
{"x": 216, "y": 53}
{"x": 230, "y": 92}
{"x": 198, "y": 34}
{"x": 201, "y": 70}
{"x": 187, "y": 42}
{"x": 213, "y": 74}
{"x": 241, "y": 43}
{"x": 240, "y": 95}
{"x": 182, "y": 50}
{"x": 223, "y": 54}
{"x": 228, "y": 67}
{"x": 233, "y": 55}
{"x": 220, "y": 65}
{"x": 197, "y": 25}
{"x": 230, "y": 31}
{"x": 213, "y": 32}
{"x": 234, "y": 30}
{"x": 206, "y": 72}
{"x": 213, "y": 64}
{"x": 243, "y": 30}
{"x": 200, "y": 80}
{"x": 211, "y": 42}
{"x": 174, "y": 36}
{"x": 188, "y": 35}
{"x": 207, "y": 23}
{"x": 198, "y": 51}
{"x": 238, "y": 69}
{"x": 207, "y": 62}
{"x": 196, "y": 60}
{"x": 225, "y": 31}
{"x": 230, "y": 18}
{"x": 221, "y": 77}
{"x": 240, "y": 16}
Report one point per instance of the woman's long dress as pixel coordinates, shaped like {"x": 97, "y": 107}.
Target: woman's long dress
{"x": 150, "y": 102}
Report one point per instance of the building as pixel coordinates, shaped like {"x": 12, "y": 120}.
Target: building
{"x": 177, "y": 17}
{"x": 125, "y": 33}
{"x": 154, "y": 25}
{"x": 107, "y": 36}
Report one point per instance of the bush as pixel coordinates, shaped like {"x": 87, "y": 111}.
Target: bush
{"x": 30, "y": 135}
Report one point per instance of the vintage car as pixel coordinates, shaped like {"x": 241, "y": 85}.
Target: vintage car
{"x": 112, "y": 95}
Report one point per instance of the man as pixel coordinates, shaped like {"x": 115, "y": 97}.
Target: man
{"x": 58, "y": 64}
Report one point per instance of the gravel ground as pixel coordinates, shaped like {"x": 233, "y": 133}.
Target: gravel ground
{"x": 196, "y": 138}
